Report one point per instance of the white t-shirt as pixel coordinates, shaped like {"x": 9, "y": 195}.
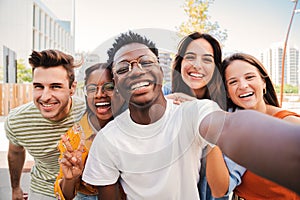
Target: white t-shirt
{"x": 156, "y": 161}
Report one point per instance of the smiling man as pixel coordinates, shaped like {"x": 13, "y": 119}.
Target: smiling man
{"x": 154, "y": 147}
{"x": 38, "y": 125}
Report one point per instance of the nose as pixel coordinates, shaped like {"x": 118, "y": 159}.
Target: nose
{"x": 136, "y": 69}
{"x": 46, "y": 94}
{"x": 243, "y": 84}
{"x": 136, "y": 65}
{"x": 197, "y": 64}
{"x": 100, "y": 92}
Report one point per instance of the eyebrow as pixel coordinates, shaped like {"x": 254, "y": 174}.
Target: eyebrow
{"x": 193, "y": 53}
{"x": 126, "y": 60}
{"x": 248, "y": 73}
{"x": 51, "y": 84}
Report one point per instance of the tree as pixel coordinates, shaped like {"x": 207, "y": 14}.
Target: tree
{"x": 24, "y": 74}
{"x": 287, "y": 88}
{"x": 199, "y": 20}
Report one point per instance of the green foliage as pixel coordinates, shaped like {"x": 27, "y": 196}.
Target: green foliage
{"x": 24, "y": 74}
{"x": 199, "y": 20}
{"x": 288, "y": 89}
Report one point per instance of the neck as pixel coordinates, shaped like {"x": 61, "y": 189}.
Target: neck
{"x": 97, "y": 123}
{"x": 261, "y": 107}
{"x": 150, "y": 113}
{"x": 200, "y": 93}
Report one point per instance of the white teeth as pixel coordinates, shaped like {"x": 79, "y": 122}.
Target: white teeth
{"x": 47, "y": 105}
{"x": 246, "y": 94}
{"x": 197, "y": 75}
{"x": 102, "y": 104}
{"x": 139, "y": 85}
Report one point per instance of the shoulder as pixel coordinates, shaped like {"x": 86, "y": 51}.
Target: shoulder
{"x": 23, "y": 111}
{"x": 204, "y": 104}
{"x": 26, "y": 115}
{"x": 288, "y": 115}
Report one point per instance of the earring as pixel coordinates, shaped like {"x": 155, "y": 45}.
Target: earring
{"x": 264, "y": 91}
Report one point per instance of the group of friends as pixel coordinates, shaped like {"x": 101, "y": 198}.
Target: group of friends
{"x": 220, "y": 131}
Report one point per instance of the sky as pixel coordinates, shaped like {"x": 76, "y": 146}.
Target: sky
{"x": 252, "y": 25}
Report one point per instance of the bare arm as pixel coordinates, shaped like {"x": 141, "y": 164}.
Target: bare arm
{"x": 217, "y": 172}
{"x": 263, "y": 144}
{"x": 16, "y": 157}
{"x": 109, "y": 192}
{"x": 68, "y": 187}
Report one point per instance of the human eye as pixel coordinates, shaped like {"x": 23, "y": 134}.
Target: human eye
{"x": 147, "y": 61}
{"x": 232, "y": 82}
{"x": 109, "y": 86}
{"x": 122, "y": 67}
{"x": 250, "y": 77}
{"x": 190, "y": 57}
{"x": 38, "y": 86}
{"x": 91, "y": 89}
{"x": 207, "y": 59}
{"x": 56, "y": 86}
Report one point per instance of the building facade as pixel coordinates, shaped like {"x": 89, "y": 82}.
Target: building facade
{"x": 28, "y": 25}
{"x": 272, "y": 60}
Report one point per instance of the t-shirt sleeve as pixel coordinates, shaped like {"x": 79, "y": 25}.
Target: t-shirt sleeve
{"x": 9, "y": 132}
{"x": 236, "y": 172}
{"x": 100, "y": 168}
{"x": 205, "y": 107}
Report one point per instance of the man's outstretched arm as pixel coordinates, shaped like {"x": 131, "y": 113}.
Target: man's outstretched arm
{"x": 263, "y": 144}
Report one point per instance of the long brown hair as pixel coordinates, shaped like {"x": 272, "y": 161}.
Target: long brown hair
{"x": 270, "y": 96}
{"x": 215, "y": 88}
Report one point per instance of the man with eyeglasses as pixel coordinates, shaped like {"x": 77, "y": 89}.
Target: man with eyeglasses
{"x": 154, "y": 147}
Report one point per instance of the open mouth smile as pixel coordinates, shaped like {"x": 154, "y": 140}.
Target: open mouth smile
{"x": 248, "y": 94}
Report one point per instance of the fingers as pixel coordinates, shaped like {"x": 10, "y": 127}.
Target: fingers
{"x": 81, "y": 147}
{"x": 65, "y": 162}
{"x": 66, "y": 143}
{"x": 25, "y": 196}
{"x": 171, "y": 96}
{"x": 72, "y": 159}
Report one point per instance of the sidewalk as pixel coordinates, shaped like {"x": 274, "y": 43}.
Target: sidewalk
{"x": 5, "y": 189}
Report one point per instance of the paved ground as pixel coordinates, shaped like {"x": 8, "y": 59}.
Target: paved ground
{"x": 5, "y": 190}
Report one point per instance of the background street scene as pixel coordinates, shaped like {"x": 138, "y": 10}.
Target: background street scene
{"x": 265, "y": 29}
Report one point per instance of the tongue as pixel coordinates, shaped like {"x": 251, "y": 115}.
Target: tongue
{"x": 103, "y": 109}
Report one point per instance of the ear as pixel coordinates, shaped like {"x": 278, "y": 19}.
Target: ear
{"x": 73, "y": 88}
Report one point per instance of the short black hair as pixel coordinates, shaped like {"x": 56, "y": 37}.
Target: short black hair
{"x": 128, "y": 38}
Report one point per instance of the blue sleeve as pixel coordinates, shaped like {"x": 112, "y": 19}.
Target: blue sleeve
{"x": 203, "y": 187}
{"x": 236, "y": 172}
{"x": 167, "y": 89}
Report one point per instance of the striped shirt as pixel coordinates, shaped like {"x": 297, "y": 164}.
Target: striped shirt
{"x": 25, "y": 126}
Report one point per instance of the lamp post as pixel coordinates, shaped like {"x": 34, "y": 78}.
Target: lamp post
{"x": 284, "y": 51}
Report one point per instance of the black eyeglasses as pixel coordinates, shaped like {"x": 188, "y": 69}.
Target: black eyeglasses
{"x": 92, "y": 89}
{"x": 145, "y": 63}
